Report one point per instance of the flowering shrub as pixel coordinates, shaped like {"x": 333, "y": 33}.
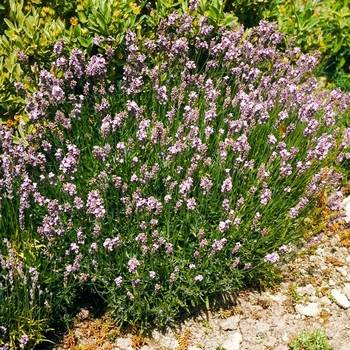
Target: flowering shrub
{"x": 182, "y": 180}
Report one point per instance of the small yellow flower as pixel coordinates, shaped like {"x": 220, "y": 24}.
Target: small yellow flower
{"x": 116, "y": 13}
{"x": 24, "y": 118}
{"x": 282, "y": 128}
{"x": 135, "y": 9}
{"x": 9, "y": 123}
{"x": 321, "y": 43}
{"x": 73, "y": 21}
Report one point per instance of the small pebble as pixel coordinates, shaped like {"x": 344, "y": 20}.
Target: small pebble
{"x": 310, "y": 310}
{"x": 340, "y": 298}
{"x": 346, "y": 290}
{"x": 232, "y": 341}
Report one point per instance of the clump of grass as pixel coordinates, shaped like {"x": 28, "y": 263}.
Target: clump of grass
{"x": 310, "y": 340}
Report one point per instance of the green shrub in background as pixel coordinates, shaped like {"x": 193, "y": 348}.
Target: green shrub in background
{"x": 250, "y": 12}
{"x": 30, "y": 29}
{"x": 313, "y": 25}
{"x": 319, "y": 25}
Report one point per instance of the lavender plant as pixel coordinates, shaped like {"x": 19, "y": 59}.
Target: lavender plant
{"x": 186, "y": 178}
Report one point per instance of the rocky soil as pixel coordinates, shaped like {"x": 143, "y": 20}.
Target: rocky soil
{"x": 314, "y": 294}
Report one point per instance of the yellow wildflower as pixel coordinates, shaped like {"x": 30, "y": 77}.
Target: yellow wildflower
{"x": 73, "y": 21}
{"x": 135, "y": 9}
{"x": 116, "y": 13}
{"x": 9, "y": 123}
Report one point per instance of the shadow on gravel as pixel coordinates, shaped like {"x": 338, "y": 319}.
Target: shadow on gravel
{"x": 86, "y": 299}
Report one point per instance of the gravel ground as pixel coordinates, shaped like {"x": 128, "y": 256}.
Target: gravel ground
{"x": 314, "y": 294}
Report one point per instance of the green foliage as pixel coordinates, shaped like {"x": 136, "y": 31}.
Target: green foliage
{"x": 310, "y": 340}
{"x": 319, "y": 25}
{"x": 34, "y": 26}
{"x": 250, "y": 12}
{"x": 27, "y": 293}
{"x": 313, "y": 25}
{"x": 32, "y": 34}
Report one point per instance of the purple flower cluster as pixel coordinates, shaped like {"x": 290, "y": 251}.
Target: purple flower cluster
{"x": 94, "y": 205}
{"x": 97, "y": 66}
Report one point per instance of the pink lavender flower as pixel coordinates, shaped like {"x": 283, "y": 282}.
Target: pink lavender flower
{"x": 57, "y": 93}
{"x": 23, "y": 341}
{"x": 294, "y": 212}
{"x": 69, "y": 162}
{"x": 206, "y": 184}
{"x": 111, "y": 243}
{"x": 186, "y": 185}
{"x": 226, "y": 185}
{"x": 70, "y": 188}
{"x": 22, "y": 56}
{"x": 265, "y": 196}
{"x": 191, "y": 203}
{"x": 193, "y": 4}
{"x": 95, "y": 205}
{"x": 272, "y": 139}
{"x": 101, "y": 153}
{"x": 118, "y": 281}
{"x": 133, "y": 264}
{"x": 218, "y": 245}
{"x": 97, "y": 66}
{"x": 168, "y": 248}
{"x": 272, "y": 258}
{"x": 283, "y": 249}
{"x": 224, "y": 225}
{"x": 93, "y": 247}
{"x": 58, "y": 47}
